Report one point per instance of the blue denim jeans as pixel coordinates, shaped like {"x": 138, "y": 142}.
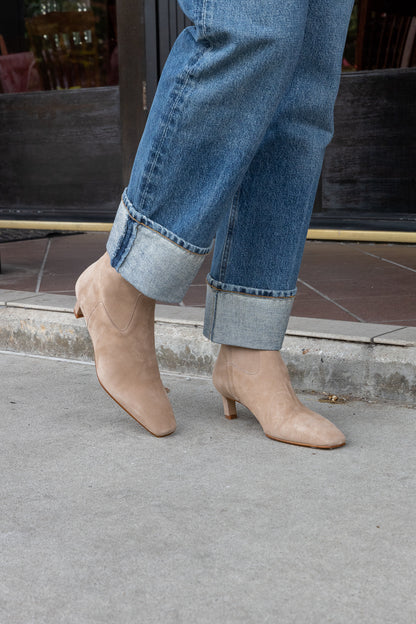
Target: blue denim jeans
{"x": 232, "y": 152}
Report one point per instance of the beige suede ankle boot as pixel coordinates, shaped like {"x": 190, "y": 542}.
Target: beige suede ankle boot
{"x": 260, "y": 381}
{"x": 120, "y": 321}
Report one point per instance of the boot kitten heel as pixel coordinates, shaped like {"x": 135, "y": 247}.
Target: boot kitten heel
{"x": 230, "y": 410}
{"x": 77, "y": 311}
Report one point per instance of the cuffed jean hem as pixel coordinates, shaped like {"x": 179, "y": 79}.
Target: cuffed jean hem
{"x": 243, "y": 319}
{"x": 154, "y": 260}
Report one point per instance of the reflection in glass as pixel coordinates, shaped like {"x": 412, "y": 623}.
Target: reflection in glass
{"x": 381, "y": 35}
{"x": 386, "y": 36}
{"x": 66, "y": 44}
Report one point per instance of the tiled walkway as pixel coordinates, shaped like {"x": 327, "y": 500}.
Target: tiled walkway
{"x": 367, "y": 282}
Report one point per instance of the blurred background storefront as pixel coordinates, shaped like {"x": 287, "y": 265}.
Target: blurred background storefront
{"x": 77, "y": 79}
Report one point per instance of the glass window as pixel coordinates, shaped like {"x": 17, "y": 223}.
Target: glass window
{"x": 382, "y": 35}
{"x": 57, "y": 44}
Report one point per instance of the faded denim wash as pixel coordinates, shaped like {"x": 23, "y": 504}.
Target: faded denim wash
{"x": 232, "y": 151}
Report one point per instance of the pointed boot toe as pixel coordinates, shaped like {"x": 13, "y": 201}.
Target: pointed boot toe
{"x": 120, "y": 321}
{"x": 305, "y": 428}
{"x": 260, "y": 381}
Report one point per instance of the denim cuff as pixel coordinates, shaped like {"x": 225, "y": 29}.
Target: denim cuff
{"x": 246, "y": 320}
{"x": 154, "y": 260}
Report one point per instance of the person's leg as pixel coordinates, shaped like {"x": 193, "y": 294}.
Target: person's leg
{"x": 216, "y": 97}
{"x": 259, "y": 245}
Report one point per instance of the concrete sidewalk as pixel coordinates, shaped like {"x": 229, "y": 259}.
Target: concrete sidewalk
{"x": 103, "y": 523}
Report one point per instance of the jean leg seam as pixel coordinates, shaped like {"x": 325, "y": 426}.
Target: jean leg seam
{"x": 214, "y": 313}
{"x": 203, "y": 18}
{"x": 204, "y": 14}
{"x": 176, "y": 95}
{"x": 305, "y": 222}
{"x": 125, "y": 243}
{"x": 228, "y": 238}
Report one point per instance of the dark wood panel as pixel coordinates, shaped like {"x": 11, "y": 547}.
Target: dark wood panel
{"x": 132, "y": 49}
{"x": 60, "y": 154}
{"x": 369, "y": 170}
{"x": 164, "y": 25}
{"x": 152, "y": 49}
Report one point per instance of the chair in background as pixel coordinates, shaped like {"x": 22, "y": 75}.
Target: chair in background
{"x": 65, "y": 46}
{"x": 386, "y": 34}
{"x": 17, "y": 71}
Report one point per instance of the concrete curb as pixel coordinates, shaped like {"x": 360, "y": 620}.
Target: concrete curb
{"x": 337, "y": 357}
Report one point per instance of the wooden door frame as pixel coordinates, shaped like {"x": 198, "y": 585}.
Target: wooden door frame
{"x": 131, "y": 35}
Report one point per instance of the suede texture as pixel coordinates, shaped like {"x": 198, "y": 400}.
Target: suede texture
{"x": 260, "y": 381}
{"x": 120, "y": 321}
